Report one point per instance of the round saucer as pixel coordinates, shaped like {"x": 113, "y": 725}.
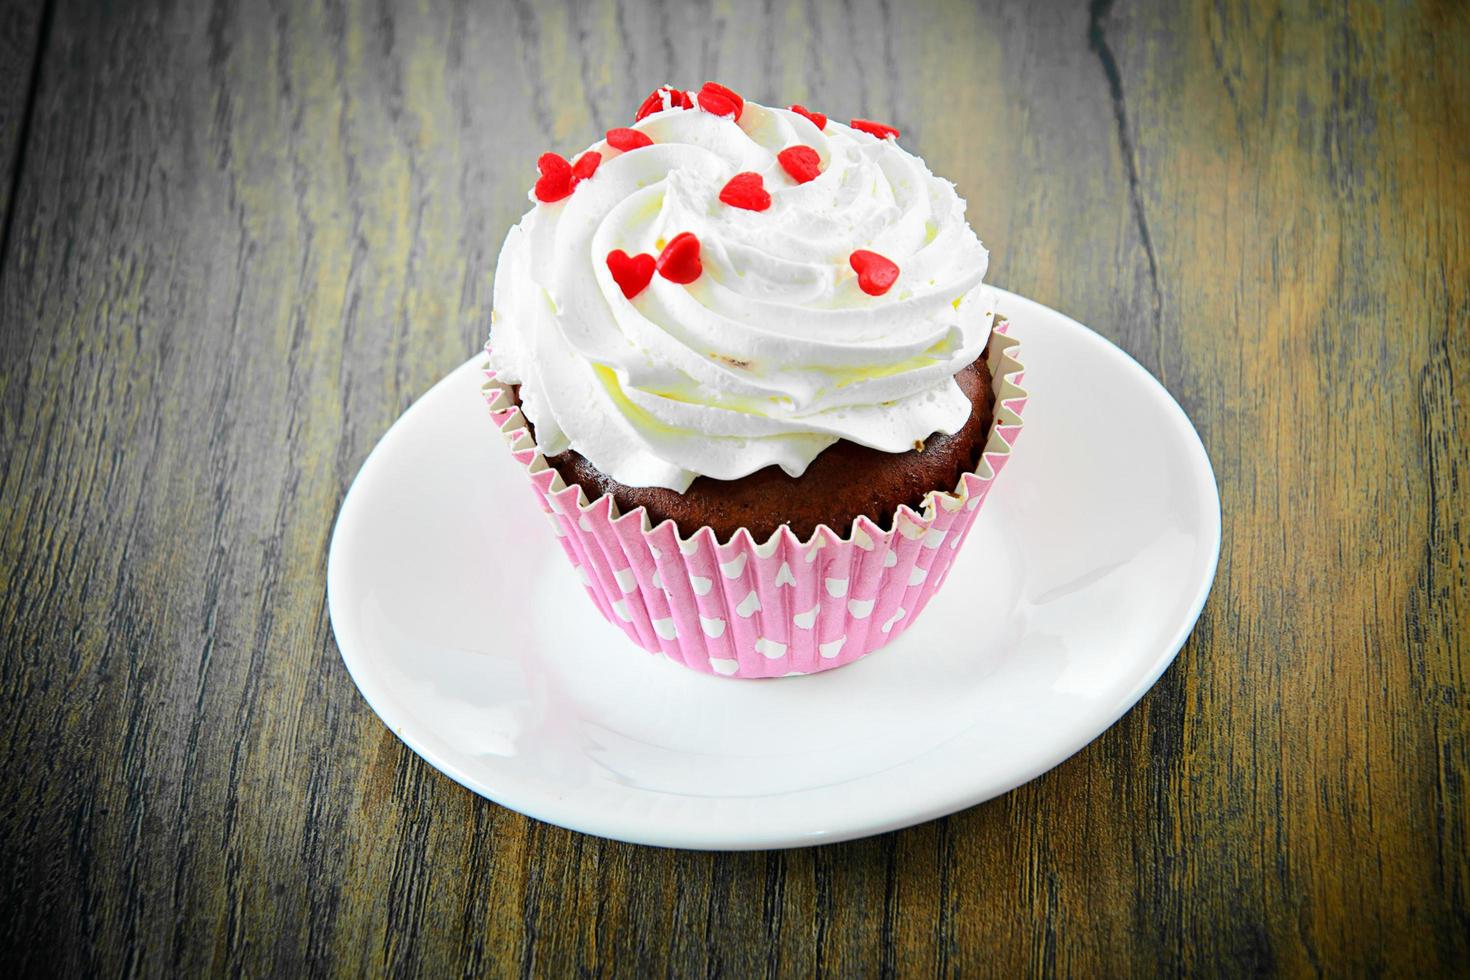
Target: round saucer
{"x": 468, "y": 633}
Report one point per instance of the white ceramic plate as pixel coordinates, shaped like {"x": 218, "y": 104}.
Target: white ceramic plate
{"x": 468, "y": 633}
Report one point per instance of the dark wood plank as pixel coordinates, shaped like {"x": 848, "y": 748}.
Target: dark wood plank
{"x": 250, "y": 235}
{"x": 22, "y": 39}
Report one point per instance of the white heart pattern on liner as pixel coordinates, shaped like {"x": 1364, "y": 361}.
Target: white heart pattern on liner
{"x": 890, "y": 559}
{"x": 860, "y": 608}
{"x": 748, "y": 605}
{"x": 896, "y": 617}
{"x": 665, "y": 628}
{"x": 805, "y": 621}
{"x": 784, "y": 576}
{"x": 830, "y": 650}
{"x": 700, "y": 585}
{"x": 917, "y": 575}
{"x": 621, "y": 608}
{"x": 769, "y": 649}
{"x": 733, "y": 568}
{"x": 722, "y": 666}
{"x": 713, "y": 628}
{"x": 626, "y": 580}
{"x": 837, "y": 587}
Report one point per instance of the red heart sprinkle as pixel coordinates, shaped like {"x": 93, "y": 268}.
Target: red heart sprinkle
{"x": 717, "y": 105}
{"x": 875, "y": 128}
{"x": 679, "y": 261}
{"x": 585, "y": 166}
{"x": 650, "y": 105}
{"x": 631, "y": 272}
{"x": 746, "y": 190}
{"x": 876, "y": 274}
{"x": 818, "y": 119}
{"x": 801, "y": 162}
{"x": 624, "y": 140}
{"x": 556, "y": 181}
{"x": 655, "y": 101}
{"x": 714, "y": 98}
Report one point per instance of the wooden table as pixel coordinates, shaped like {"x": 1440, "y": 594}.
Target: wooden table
{"x": 239, "y": 240}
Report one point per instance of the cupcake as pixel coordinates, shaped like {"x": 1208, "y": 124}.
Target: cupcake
{"x": 748, "y": 361}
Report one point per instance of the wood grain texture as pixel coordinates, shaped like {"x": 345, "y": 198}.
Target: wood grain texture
{"x": 247, "y": 236}
{"x": 22, "y": 37}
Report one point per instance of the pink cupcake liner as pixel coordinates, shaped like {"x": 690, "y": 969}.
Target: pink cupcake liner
{"x": 778, "y": 607}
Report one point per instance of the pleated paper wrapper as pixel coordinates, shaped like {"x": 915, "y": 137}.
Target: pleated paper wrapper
{"x": 774, "y": 608}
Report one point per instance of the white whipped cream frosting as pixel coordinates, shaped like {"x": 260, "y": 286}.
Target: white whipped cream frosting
{"x": 773, "y": 353}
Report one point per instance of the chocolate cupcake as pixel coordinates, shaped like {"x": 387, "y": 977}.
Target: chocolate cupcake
{"x": 751, "y": 346}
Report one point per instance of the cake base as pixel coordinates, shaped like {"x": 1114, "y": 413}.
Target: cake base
{"x": 844, "y": 482}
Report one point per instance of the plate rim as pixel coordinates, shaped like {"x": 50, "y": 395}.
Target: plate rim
{"x": 691, "y": 835}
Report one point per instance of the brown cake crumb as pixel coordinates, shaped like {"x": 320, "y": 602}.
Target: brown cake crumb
{"x": 845, "y": 481}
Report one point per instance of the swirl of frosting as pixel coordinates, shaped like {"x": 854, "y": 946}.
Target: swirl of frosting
{"x": 773, "y": 353}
